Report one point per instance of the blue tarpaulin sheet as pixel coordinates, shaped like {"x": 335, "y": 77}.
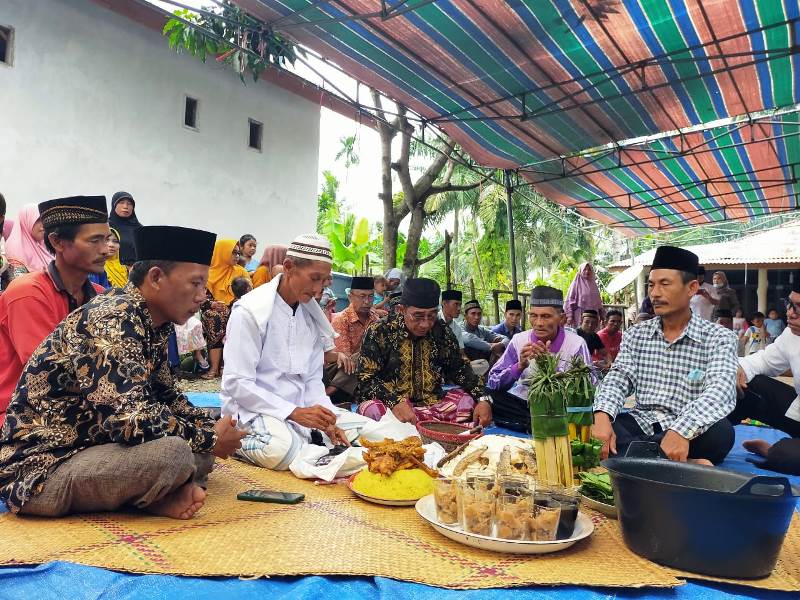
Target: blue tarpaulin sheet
{"x": 59, "y": 580}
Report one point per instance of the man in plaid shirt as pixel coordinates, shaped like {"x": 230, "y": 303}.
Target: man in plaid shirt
{"x": 680, "y": 368}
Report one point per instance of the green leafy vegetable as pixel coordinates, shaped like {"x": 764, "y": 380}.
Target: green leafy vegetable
{"x": 597, "y": 486}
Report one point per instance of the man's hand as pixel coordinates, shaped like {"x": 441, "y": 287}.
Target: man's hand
{"x": 337, "y": 436}
{"x": 675, "y": 446}
{"x": 346, "y": 363}
{"x": 604, "y": 431}
{"x": 741, "y": 381}
{"x": 315, "y": 417}
{"x": 404, "y": 412}
{"x": 229, "y": 438}
{"x": 525, "y": 356}
{"x": 482, "y": 413}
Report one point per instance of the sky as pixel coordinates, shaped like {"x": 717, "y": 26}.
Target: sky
{"x": 360, "y": 184}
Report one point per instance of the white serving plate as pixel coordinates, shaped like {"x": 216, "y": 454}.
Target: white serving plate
{"x": 426, "y": 507}
{"x": 607, "y": 509}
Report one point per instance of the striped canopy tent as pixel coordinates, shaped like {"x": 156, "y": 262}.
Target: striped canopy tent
{"x": 643, "y": 114}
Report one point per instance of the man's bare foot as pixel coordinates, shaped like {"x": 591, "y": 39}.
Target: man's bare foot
{"x": 180, "y": 504}
{"x": 701, "y": 461}
{"x": 760, "y": 447}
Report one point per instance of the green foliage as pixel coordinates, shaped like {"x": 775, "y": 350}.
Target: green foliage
{"x": 350, "y": 241}
{"x": 219, "y": 39}
{"x": 348, "y": 152}
{"x": 327, "y": 200}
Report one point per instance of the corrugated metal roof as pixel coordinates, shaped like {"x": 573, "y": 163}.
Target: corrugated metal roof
{"x": 776, "y": 246}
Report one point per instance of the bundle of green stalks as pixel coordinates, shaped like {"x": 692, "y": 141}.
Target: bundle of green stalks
{"x": 579, "y": 391}
{"x": 549, "y": 422}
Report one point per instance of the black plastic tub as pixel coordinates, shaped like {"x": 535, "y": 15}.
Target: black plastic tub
{"x": 702, "y": 519}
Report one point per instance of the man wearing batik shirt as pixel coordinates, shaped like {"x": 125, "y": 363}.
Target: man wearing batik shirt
{"x": 407, "y": 358}
{"x": 76, "y": 232}
{"x": 681, "y": 369}
{"x": 350, "y": 325}
{"x": 506, "y": 381}
{"x": 96, "y": 423}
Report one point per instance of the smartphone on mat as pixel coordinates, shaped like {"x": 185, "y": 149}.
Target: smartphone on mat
{"x": 271, "y": 496}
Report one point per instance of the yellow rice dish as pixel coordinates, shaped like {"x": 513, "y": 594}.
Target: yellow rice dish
{"x": 407, "y": 484}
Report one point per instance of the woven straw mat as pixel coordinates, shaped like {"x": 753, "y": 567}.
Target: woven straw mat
{"x": 330, "y": 533}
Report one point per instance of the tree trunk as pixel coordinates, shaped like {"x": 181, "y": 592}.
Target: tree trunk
{"x": 390, "y": 220}
{"x": 413, "y": 240}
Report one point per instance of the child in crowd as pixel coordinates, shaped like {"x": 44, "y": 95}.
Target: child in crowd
{"x": 240, "y": 286}
{"x": 740, "y": 324}
{"x": 725, "y": 318}
{"x": 380, "y": 292}
{"x": 774, "y": 325}
{"x": 755, "y": 338}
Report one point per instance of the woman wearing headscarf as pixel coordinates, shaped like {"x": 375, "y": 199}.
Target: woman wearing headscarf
{"x": 726, "y": 300}
{"x": 583, "y": 294}
{"x": 216, "y": 310}
{"x": 273, "y": 256}
{"x": 25, "y": 247}
{"x": 123, "y": 219}
{"x": 116, "y": 272}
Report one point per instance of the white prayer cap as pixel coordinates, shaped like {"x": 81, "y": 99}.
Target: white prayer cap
{"x": 311, "y": 246}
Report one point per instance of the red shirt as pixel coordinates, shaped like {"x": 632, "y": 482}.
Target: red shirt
{"x": 30, "y": 309}
{"x": 611, "y": 342}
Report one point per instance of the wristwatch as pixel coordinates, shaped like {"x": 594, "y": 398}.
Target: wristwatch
{"x": 487, "y": 399}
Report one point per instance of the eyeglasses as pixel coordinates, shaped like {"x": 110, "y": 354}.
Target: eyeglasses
{"x": 363, "y": 298}
{"x": 789, "y": 304}
{"x": 422, "y": 318}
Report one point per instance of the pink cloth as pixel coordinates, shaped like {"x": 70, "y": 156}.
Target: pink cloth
{"x": 583, "y": 294}
{"x": 21, "y": 245}
{"x": 456, "y": 407}
{"x": 8, "y": 225}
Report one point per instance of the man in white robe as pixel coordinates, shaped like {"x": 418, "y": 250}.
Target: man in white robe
{"x": 272, "y": 383}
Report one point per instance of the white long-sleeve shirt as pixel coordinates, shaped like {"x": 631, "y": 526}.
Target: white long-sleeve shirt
{"x": 274, "y": 377}
{"x": 777, "y": 358}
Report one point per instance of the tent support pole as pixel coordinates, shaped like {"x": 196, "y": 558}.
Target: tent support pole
{"x": 512, "y": 250}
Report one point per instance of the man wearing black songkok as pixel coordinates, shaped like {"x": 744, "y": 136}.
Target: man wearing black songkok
{"x": 350, "y": 325}
{"x": 76, "y": 232}
{"x": 681, "y": 369}
{"x": 407, "y": 358}
{"x": 97, "y": 422}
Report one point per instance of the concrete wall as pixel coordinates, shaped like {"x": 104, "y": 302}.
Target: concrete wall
{"x": 94, "y": 104}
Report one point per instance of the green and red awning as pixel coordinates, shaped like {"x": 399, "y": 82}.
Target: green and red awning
{"x": 553, "y": 88}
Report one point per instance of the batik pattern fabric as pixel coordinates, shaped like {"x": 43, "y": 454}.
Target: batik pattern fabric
{"x": 395, "y": 365}
{"x": 101, "y": 377}
{"x": 456, "y": 407}
{"x": 215, "y": 321}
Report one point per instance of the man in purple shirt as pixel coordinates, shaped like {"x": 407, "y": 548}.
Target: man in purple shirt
{"x": 509, "y": 394}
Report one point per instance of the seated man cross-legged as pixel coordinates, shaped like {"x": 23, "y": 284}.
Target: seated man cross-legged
{"x": 350, "y": 325}
{"x": 507, "y": 378}
{"x": 406, "y": 359}
{"x": 480, "y": 343}
{"x": 272, "y": 381}
{"x": 96, "y": 422}
{"x": 760, "y": 396}
{"x": 681, "y": 368}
